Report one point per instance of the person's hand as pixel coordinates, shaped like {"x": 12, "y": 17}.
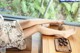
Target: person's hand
{"x": 68, "y": 33}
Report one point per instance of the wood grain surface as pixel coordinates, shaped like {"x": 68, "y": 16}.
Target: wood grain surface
{"x": 48, "y": 41}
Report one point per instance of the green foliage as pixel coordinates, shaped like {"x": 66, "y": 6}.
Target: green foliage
{"x": 23, "y": 6}
{"x": 68, "y": 6}
{"x": 71, "y": 10}
{"x": 37, "y": 8}
{"x": 3, "y": 3}
{"x": 74, "y": 7}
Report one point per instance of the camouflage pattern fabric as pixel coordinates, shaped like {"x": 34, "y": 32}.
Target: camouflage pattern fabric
{"x": 11, "y": 35}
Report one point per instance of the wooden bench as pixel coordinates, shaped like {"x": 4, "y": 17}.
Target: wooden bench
{"x": 48, "y": 41}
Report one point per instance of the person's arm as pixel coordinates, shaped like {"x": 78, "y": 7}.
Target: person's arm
{"x": 29, "y": 23}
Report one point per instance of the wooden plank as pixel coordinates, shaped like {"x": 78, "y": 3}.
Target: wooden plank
{"x": 74, "y": 39}
{"x": 51, "y": 45}
{"x": 48, "y": 41}
{"x": 45, "y": 44}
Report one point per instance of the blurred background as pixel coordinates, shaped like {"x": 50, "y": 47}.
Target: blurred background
{"x": 48, "y": 9}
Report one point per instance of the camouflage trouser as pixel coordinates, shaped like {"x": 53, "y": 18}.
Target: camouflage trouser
{"x": 11, "y": 35}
